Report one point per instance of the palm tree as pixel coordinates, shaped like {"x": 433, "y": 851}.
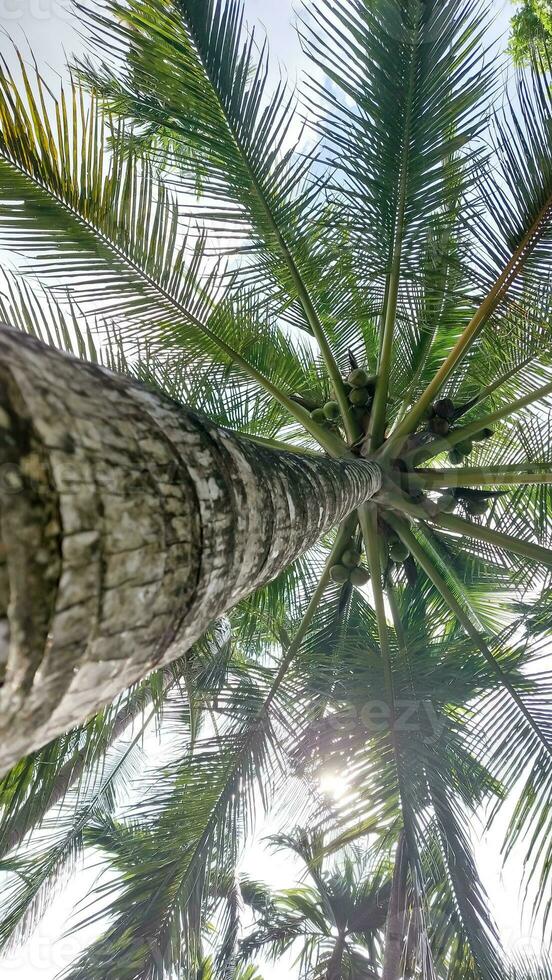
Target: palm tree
{"x": 531, "y": 30}
{"x": 337, "y": 920}
{"x": 347, "y": 319}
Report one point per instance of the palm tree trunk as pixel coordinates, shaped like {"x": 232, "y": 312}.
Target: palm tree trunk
{"x": 396, "y": 917}
{"x": 336, "y": 961}
{"x": 127, "y": 525}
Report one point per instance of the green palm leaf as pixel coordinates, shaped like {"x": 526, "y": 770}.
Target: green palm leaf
{"x": 406, "y": 100}
{"x": 209, "y": 92}
{"x": 124, "y": 226}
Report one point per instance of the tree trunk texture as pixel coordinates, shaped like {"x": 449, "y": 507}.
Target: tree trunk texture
{"x": 396, "y": 917}
{"x": 335, "y": 966}
{"x": 127, "y": 525}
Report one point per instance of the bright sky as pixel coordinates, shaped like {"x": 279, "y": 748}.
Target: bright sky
{"x": 50, "y": 31}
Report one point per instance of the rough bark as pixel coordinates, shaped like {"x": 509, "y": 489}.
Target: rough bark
{"x": 127, "y": 525}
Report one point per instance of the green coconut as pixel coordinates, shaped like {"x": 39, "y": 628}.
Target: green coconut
{"x": 398, "y": 551}
{"x": 447, "y": 503}
{"x": 331, "y": 411}
{"x": 359, "y": 576}
{"x": 430, "y": 506}
{"x": 318, "y": 416}
{"x": 465, "y": 447}
{"x": 358, "y": 378}
{"x": 477, "y": 507}
{"x": 483, "y": 434}
{"x": 444, "y": 408}
{"x": 338, "y": 573}
{"x": 359, "y": 396}
{"x": 455, "y": 457}
{"x": 350, "y": 558}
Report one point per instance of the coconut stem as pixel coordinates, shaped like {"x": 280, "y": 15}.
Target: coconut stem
{"x": 421, "y": 454}
{"x": 489, "y": 476}
{"x": 478, "y": 532}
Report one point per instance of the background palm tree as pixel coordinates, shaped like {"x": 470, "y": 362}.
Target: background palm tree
{"x": 334, "y": 924}
{"x": 531, "y": 30}
{"x": 247, "y": 275}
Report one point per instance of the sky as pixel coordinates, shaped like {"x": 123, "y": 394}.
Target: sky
{"x": 51, "y": 32}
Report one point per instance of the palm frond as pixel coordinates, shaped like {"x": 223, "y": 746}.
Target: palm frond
{"x": 510, "y": 229}
{"x": 209, "y": 91}
{"x": 37, "y": 875}
{"x": 91, "y": 214}
{"x": 192, "y": 70}
{"x": 194, "y": 821}
{"x": 405, "y": 101}
{"x": 41, "y": 782}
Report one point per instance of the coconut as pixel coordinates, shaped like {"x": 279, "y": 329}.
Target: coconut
{"x": 359, "y": 396}
{"x": 483, "y": 434}
{"x": 477, "y": 506}
{"x": 455, "y": 457}
{"x": 338, "y": 573}
{"x": 447, "y": 503}
{"x": 350, "y": 558}
{"x": 358, "y": 378}
{"x": 465, "y": 447}
{"x": 439, "y": 426}
{"x": 359, "y": 576}
{"x": 444, "y": 408}
{"x": 318, "y": 416}
{"x": 430, "y": 506}
{"x": 331, "y": 411}
{"x": 398, "y": 551}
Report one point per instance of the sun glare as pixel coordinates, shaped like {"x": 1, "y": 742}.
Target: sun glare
{"x": 333, "y": 784}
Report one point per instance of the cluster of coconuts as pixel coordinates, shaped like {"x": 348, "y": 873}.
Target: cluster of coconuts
{"x": 441, "y": 416}
{"x": 475, "y": 502}
{"x": 360, "y": 387}
{"x": 349, "y": 569}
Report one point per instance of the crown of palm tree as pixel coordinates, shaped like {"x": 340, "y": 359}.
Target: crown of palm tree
{"x": 334, "y": 925}
{"x": 172, "y": 204}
